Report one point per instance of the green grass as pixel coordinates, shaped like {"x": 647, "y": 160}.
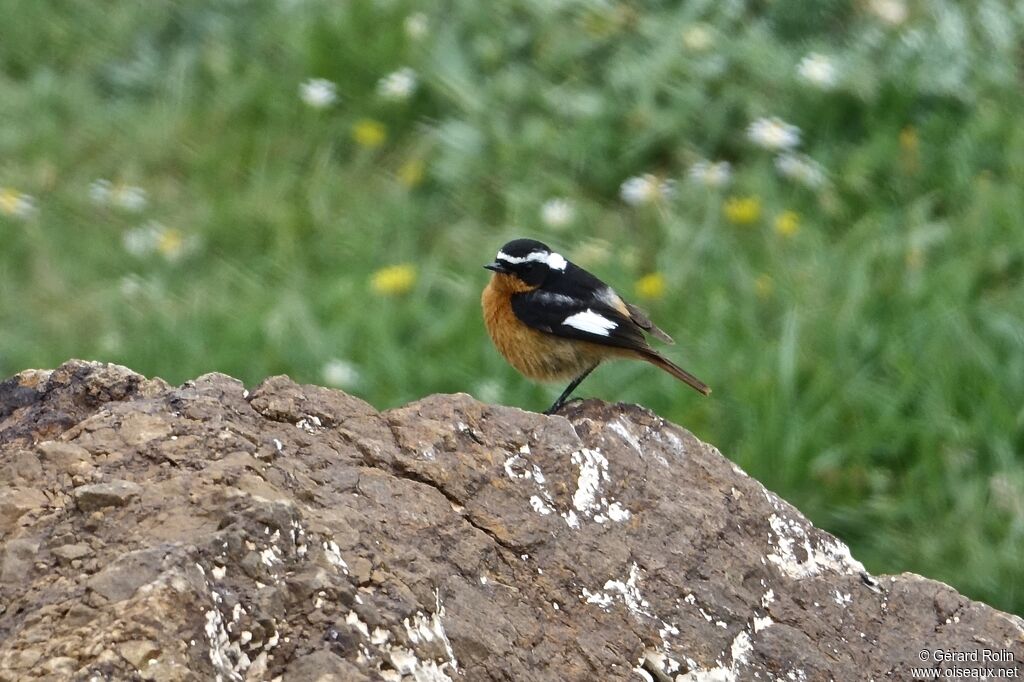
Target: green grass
{"x": 869, "y": 367}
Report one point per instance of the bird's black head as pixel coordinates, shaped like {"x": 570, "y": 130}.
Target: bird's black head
{"x": 529, "y": 260}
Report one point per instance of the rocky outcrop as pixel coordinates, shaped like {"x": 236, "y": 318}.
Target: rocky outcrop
{"x": 206, "y": 532}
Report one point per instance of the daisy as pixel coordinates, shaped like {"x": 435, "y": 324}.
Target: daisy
{"x": 800, "y": 168}
{"x": 698, "y": 37}
{"x": 142, "y": 240}
{"x": 16, "y": 204}
{"x": 398, "y": 86}
{"x": 646, "y": 189}
{"x": 129, "y": 198}
{"x": 340, "y": 373}
{"x": 892, "y": 12}
{"x": 773, "y": 133}
{"x": 557, "y": 212}
{"x": 711, "y": 173}
{"x": 318, "y": 93}
{"x": 818, "y": 70}
{"x": 416, "y": 25}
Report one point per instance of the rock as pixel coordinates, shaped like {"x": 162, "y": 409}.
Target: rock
{"x": 17, "y": 557}
{"x": 15, "y": 503}
{"x": 68, "y": 553}
{"x": 112, "y": 494}
{"x": 127, "y": 573}
{"x": 139, "y": 652}
{"x": 297, "y": 532}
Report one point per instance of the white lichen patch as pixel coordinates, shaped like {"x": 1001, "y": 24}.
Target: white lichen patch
{"x": 616, "y": 512}
{"x": 627, "y": 592}
{"x": 269, "y": 556}
{"x": 515, "y": 467}
{"x": 660, "y": 660}
{"x": 226, "y": 655}
{"x": 593, "y": 472}
{"x": 762, "y": 623}
{"x": 309, "y": 424}
{"x": 333, "y": 554}
{"x": 540, "y": 506}
{"x": 593, "y": 469}
{"x": 401, "y": 663}
{"x": 355, "y": 621}
{"x": 643, "y": 674}
{"x": 739, "y": 652}
{"x": 830, "y": 555}
{"x": 622, "y": 430}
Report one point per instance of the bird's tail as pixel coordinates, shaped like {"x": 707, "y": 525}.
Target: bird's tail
{"x": 675, "y": 370}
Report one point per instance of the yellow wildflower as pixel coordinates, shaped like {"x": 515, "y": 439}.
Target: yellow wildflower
{"x": 369, "y": 133}
{"x": 787, "y": 223}
{"x": 394, "y": 280}
{"x": 742, "y": 210}
{"x": 908, "y": 139}
{"x": 650, "y": 286}
{"x": 170, "y": 243}
{"x": 764, "y": 285}
{"x": 410, "y": 173}
{"x": 909, "y": 146}
{"x": 15, "y": 204}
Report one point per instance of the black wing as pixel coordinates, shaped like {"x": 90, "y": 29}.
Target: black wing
{"x": 583, "y": 320}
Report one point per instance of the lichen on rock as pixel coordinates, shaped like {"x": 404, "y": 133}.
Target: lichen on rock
{"x": 206, "y": 532}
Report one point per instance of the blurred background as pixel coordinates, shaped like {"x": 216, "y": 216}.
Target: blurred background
{"x": 820, "y": 200}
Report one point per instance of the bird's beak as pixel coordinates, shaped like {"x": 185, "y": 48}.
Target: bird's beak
{"x": 496, "y": 267}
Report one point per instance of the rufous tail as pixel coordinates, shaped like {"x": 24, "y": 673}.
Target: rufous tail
{"x": 675, "y": 370}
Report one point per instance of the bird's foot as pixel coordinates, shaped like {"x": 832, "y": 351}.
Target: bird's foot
{"x": 557, "y": 407}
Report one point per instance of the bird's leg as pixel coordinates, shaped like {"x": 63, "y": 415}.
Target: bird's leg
{"x": 557, "y": 405}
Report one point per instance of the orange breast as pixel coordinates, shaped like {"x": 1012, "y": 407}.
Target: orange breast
{"x": 539, "y": 356}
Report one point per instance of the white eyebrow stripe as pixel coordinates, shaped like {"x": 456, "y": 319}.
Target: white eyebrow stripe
{"x": 509, "y": 259}
{"x": 590, "y": 322}
{"x": 555, "y": 261}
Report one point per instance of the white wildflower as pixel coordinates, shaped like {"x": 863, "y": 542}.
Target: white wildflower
{"x": 800, "y": 168}
{"x": 340, "y": 373}
{"x": 646, "y": 189}
{"x": 416, "y": 25}
{"x": 155, "y": 237}
{"x": 818, "y": 70}
{"x": 142, "y": 240}
{"x": 557, "y": 212}
{"x": 773, "y": 133}
{"x": 99, "y": 191}
{"x": 399, "y": 85}
{"x": 127, "y": 197}
{"x": 711, "y": 173}
{"x": 318, "y": 93}
{"x": 697, "y": 37}
{"x": 16, "y": 204}
{"x": 892, "y": 12}
{"x": 489, "y": 391}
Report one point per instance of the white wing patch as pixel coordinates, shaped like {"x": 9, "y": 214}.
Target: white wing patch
{"x": 590, "y": 322}
{"x": 552, "y": 298}
{"x": 555, "y": 261}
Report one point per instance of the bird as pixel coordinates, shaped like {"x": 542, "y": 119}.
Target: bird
{"x": 553, "y": 320}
